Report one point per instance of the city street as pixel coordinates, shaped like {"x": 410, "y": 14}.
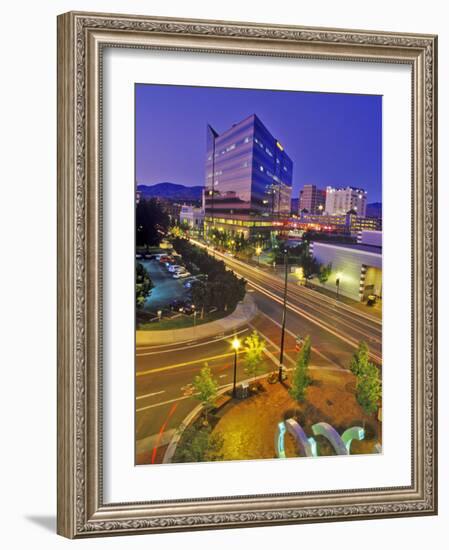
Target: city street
{"x": 164, "y": 374}
{"x": 324, "y": 318}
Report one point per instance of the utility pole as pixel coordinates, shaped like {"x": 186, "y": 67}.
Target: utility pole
{"x": 284, "y": 314}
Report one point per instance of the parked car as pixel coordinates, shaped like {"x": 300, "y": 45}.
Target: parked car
{"x": 181, "y": 274}
{"x": 173, "y": 267}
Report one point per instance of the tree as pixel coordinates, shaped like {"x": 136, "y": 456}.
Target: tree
{"x": 360, "y": 359}
{"x": 301, "y": 379}
{"x": 369, "y": 389}
{"x": 143, "y": 285}
{"x": 309, "y": 265}
{"x": 201, "y": 296}
{"x": 254, "y": 348}
{"x": 199, "y": 445}
{"x": 368, "y": 385}
{"x": 152, "y": 223}
{"x": 324, "y": 273}
{"x": 206, "y": 389}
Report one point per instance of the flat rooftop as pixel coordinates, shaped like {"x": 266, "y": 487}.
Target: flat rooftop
{"x": 353, "y": 246}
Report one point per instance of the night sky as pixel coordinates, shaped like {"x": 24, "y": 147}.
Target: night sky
{"x": 332, "y": 139}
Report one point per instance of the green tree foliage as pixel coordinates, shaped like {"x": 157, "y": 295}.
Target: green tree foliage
{"x": 206, "y": 389}
{"x": 369, "y": 389}
{"x": 324, "y": 273}
{"x": 368, "y": 385}
{"x": 199, "y": 445}
{"x": 222, "y": 289}
{"x": 360, "y": 359}
{"x": 301, "y": 379}
{"x": 254, "y": 348}
{"x": 295, "y": 253}
{"x": 201, "y": 296}
{"x": 143, "y": 285}
{"x": 152, "y": 223}
{"x": 309, "y": 264}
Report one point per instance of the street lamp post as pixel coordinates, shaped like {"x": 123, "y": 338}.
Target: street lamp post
{"x": 235, "y": 346}
{"x": 284, "y": 314}
{"x": 258, "y": 253}
{"x": 159, "y": 314}
{"x": 337, "y": 284}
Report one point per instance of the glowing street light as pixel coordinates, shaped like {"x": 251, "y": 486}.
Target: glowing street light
{"x": 235, "y": 346}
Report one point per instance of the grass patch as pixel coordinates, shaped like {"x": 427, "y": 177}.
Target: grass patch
{"x": 183, "y": 321}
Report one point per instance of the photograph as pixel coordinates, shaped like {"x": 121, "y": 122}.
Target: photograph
{"x": 258, "y": 274}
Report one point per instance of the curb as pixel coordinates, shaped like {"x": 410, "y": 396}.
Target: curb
{"x": 243, "y": 313}
{"x": 191, "y": 417}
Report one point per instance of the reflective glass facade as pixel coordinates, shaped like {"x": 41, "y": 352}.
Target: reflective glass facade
{"x": 247, "y": 172}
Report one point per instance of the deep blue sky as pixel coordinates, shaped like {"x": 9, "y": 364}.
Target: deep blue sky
{"x": 332, "y": 139}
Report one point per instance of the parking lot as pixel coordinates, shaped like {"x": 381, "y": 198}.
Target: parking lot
{"x": 166, "y": 288}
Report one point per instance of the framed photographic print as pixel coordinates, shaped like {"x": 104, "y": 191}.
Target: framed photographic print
{"x": 246, "y": 274}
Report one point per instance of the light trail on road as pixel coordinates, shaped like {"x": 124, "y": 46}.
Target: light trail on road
{"x": 360, "y": 325}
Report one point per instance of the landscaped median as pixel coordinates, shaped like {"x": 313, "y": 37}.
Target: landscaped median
{"x": 243, "y": 314}
{"x": 246, "y": 428}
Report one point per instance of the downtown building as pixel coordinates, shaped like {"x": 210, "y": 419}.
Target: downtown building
{"x": 311, "y": 200}
{"x": 356, "y": 268}
{"x": 340, "y": 201}
{"x": 248, "y": 180}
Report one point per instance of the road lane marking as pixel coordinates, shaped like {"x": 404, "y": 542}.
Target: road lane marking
{"x": 275, "y": 281}
{"x": 307, "y": 316}
{"x": 190, "y": 346}
{"x": 339, "y": 367}
{"x": 187, "y": 363}
{"x": 277, "y": 348}
{"x": 163, "y": 403}
{"x": 227, "y": 385}
{"x": 314, "y": 303}
{"x": 149, "y": 394}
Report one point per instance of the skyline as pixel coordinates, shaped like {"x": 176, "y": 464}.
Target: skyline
{"x": 332, "y": 139}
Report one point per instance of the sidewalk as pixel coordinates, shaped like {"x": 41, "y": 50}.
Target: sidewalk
{"x": 243, "y": 314}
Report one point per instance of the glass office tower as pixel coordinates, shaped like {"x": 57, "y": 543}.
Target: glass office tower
{"x": 248, "y": 173}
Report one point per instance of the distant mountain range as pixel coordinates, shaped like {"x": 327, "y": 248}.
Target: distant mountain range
{"x": 171, "y": 191}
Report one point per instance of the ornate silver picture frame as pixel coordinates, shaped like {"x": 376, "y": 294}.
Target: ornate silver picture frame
{"x": 82, "y": 39}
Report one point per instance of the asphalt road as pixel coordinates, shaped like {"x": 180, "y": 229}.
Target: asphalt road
{"x": 164, "y": 374}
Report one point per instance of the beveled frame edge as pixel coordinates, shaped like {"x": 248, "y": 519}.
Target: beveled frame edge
{"x": 80, "y": 509}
